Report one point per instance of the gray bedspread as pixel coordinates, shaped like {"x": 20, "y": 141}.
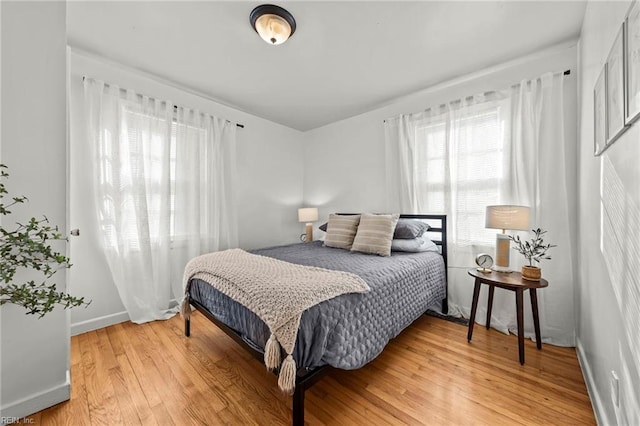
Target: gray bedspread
{"x": 350, "y": 330}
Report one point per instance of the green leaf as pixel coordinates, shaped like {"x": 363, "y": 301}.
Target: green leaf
{"x": 27, "y": 247}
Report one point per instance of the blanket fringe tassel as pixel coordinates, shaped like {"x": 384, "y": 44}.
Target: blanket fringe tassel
{"x": 272, "y": 353}
{"x": 185, "y": 308}
{"x": 287, "y": 378}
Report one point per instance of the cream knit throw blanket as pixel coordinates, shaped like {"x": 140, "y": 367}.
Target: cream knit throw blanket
{"x": 277, "y": 291}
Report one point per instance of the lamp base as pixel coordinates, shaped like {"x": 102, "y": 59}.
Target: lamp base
{"x": 308, "y": 233}
{"x": 503, "y": 244}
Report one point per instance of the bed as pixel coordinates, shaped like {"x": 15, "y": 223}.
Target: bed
{"x": 349, "y": 330}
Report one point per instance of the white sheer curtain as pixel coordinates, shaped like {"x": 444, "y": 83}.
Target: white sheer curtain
{"x": 163, "y": 186}
{"x": 541, "y": 161}
{"x": 496, "y": 148}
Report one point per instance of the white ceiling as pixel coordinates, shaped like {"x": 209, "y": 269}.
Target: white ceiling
{"x": 345, "y": 58}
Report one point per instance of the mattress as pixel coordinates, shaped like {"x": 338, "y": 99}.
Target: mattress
{"x": 350, "y": 330}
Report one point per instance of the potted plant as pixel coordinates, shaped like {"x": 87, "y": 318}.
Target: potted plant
{"x": 27, "y": 247}
{"x": 534, "y": 250}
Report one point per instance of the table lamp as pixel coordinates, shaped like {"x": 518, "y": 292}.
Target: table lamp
{"x": 506, "y": 217}
{"x": 308, "y": 215}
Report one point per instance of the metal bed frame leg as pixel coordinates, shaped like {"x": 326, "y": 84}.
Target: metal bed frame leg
{"x": 298, "y": 406}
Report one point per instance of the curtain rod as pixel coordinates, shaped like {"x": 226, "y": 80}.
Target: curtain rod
{"x": 175, "y": 106}
{"x": 228, "y": 121}
{"x": 566, "y": 72}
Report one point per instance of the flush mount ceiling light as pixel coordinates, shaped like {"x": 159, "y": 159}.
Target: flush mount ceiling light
{"x": 274, "y": 24}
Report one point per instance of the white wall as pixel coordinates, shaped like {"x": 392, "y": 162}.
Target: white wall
{"x": 354, "y": 179}
{"x": 608, "y": 296}
{"x": 270, "y": 173}
{"x": 34, "y": 352}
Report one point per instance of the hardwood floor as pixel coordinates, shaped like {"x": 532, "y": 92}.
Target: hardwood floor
{"x": 152, "y": 374}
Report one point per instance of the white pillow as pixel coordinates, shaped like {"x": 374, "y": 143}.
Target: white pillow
{"x": 415, "y": 245}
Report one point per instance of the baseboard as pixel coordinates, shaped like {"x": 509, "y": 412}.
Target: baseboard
{"x": 594, "y": 395}
{"x": 22, "y": 409}
{"x": 100, "y": 322}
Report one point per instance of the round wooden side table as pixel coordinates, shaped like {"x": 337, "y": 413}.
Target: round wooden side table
{"x": 509, "y": 281}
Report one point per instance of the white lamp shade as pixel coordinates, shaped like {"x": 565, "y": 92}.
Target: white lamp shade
{"x": 273, "y": 29}
{"x": 507, "y": 217}
{"x": 308, "y": 214}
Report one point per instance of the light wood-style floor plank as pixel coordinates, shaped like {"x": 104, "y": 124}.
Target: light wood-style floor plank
{"x": 152, "y": 374}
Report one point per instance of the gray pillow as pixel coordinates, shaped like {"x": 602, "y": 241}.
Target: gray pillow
{"x": 415, "y": 245}
{"x": 408, "y": 229}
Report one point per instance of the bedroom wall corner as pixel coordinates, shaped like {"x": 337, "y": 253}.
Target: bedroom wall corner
{"x": 34, "y": 147}
{"x": 608, "y": 291}
{"x": 269, "y": 185}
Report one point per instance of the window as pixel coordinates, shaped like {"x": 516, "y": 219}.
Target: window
{"x": 146, "y": 177}
{"x": 459, "y": 167}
